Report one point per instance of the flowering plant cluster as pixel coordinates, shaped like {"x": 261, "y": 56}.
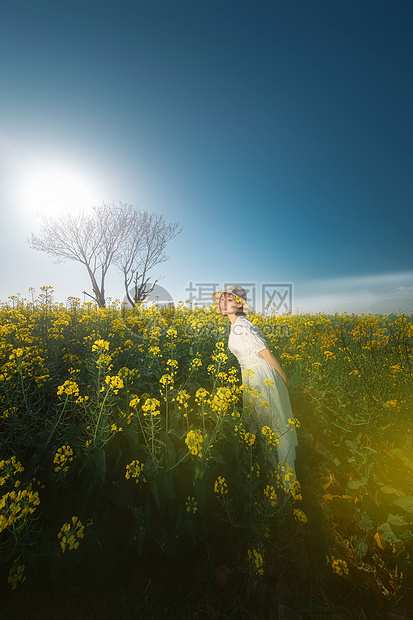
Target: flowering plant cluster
{"x": 62, "y": 458}
{"x": 154, "y": 435}
{"x": 70, "y": 534}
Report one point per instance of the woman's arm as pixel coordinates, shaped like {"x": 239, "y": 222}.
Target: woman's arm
{"x": 268, "y": 356}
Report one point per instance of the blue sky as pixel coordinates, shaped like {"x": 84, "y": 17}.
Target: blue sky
{"x": 278, "y": 134}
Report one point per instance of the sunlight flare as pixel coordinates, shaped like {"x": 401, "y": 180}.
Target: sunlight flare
{"x": 52, "y": 188}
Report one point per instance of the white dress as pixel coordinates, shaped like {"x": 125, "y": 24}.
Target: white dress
{"x": 245, "y": 343}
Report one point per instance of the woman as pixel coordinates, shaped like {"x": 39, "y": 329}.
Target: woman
{"x": 267, "y": 376}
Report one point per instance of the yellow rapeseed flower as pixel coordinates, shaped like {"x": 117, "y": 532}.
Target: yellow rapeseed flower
{"x": 69, "y": 388}
{"x": 167, "y": 379}
{"x": 9, "y": 469}
{"x": 271, "y": 495}
{"x": 182, "y": 398}
{"x": 195, "y": 363}
{"x": 221, "y": 400}
{"x": 220, "y": 486}
{"x": 201, "y": 396}
{"x": 256, "y": 558}
{"x": 16, "y": 573}
{"x": 340, "y": 567}
{"x": 151, "y": 405}
{"x": 273, "y": 438}
{"x": 155, "y": 351}
{"x": 114, "y": 428}
{"x": 300, "y": 516}
{"x": 194, "y": 440}
{"x": 70, "y": 534}
{"x": 134, "y": 470}
{"x": 100, "y": 345}
{"x": 191, "y": 504}
{"x": 115, "y": 383}
{"x": 249, "y": 438}
{"x": 134, "y": 402}
{"x": 16, "y": 505}
{"x": 293, "y": 422}
{"x": 63, "y": 456}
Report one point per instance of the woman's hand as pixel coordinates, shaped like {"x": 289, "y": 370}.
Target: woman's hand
{"x": 286, "y": 381}
{"x": 268, "y": 356}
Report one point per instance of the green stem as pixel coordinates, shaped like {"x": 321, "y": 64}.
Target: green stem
{"x": 178, "y": 463}
{"x": 152, "y": 439}
{"x": 166, "y": 423}
{"x": 57, "y": 423}
{"x": 187, "y": 379}
{"x": 166, "y": 410}
{"x": 216, "y": 376}
{"x": 101, "y": 408}
{"x": 143, "y": 431}
{"x": 22, "y": 386}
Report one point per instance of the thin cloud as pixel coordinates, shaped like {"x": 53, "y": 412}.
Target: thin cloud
{"x": 376, "y": 293}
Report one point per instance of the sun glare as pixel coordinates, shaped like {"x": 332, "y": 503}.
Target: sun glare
{"x": 50, "y": 189}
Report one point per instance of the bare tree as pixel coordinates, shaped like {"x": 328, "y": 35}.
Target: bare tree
{"x": 145, "y": 249}
{"x": 108, "y": 235}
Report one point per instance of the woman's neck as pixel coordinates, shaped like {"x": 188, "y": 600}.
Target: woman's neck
{"x": 233, "y": 318}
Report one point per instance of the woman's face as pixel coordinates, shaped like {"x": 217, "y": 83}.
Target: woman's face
{"x": 228, "y": 304}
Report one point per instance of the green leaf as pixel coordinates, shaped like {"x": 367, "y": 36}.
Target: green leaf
{"x": 403, "y": 457}
{"x": 387, "y": 533}
{"x": 399, "y": 527}
{"x": 377, "y": 511}
{"x": 155, "y": 492}
{"x": 354, "y": 448}
{"x": 189, "y": 525}
{"x": 295, "y": 379}
{"x": 100, "y": 463}
{"x": 200, "y": 494}
{"x": 170, "y": 453}
{"x": 388, "y": 489}
{"x": 167, "y": 545}
{"x": 166, "y": 485}
{"x": 342, "y": 507}
{"x": 361, "y": 547}
{"x": 174, "y": 433}
{"x": 191, "y": 351}
{"x": 403, "y": 561}
{"x": 396, "y": 520}
{"x": 140, "y": 538}
{"x": 148, "y": 510}
{"x": 218, "y": 457}
{"x": 405, "y": 502}
{"x": 88, "y": 482}
{"x": 136, "y": 511}
{"x": 120, "y": 493}
{"x": 355, "y": 484}
{"x": 200, "y": 468}
{"x": 365, "y": 523}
